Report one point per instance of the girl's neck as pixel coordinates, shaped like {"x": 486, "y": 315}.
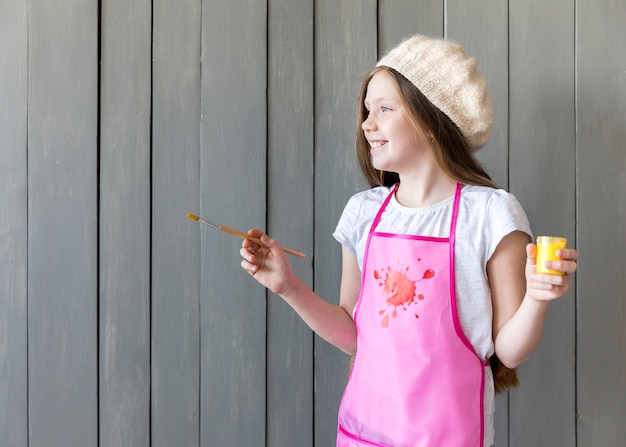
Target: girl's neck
{"x": 416, "y": 191}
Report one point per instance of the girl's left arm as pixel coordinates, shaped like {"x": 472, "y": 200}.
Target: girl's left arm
{"x": 521, "y": 296}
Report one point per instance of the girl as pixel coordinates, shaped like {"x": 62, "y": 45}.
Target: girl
{"x": 438, "y": 272}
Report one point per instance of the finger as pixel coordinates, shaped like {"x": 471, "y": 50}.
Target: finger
{"x": 542, "y": 286}
{"x": 562, "y": 266}
{"x": 567, "y": 253}
{"x": 250, "y": 245}
{"x": 249, "y": 267}
{"x": 555, "y": 290}
{"x": 272, "y": 245}
{"x": 266, "y": 240}
{"x": 555, "y": 285}
{"x": 554, "y": 280}
{"x": 531, "y": 253}
{"x": 255, "y": 232}
{"x": 247, "y": 254}
{"x": 247, "y": 243}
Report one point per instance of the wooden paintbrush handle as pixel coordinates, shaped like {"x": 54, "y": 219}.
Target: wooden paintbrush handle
{"x": 258, "y": 241}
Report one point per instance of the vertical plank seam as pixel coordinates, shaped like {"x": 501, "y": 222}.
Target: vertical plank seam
{"x": 378, "y": 14}
{"x": 150, "y": 245}
{"x": 313, "y": 213}
{"x": 98, "y": 210}
{"x": 444, "y": 20}
{"x": 199, "y": 198}
{"x": 576, "y": 198}
{"x": 508, "y": 97}
{"x": 267, "y": 205}
{"x": 27, "y": 222}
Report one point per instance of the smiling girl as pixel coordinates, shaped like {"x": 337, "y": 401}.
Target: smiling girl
{"x": 438, "y": 273}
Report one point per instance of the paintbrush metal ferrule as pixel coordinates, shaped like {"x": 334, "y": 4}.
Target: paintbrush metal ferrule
{"x": 211, "y": 224}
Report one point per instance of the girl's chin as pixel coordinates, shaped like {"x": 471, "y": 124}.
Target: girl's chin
{"x": 381, "y": 166}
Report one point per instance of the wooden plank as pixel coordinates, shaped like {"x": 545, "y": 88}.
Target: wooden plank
{"x": 482, "y": 28}
{"x": 290, "y": 216}
{"x": 125, "y": 224}
{"x": 62, "y": 223}
{"x": 175, "y": 239}
{"x": 233, "y": 185}
{"x": 345, "y": 49}
{"x": 542, "y": 176}
{"x": 601, "y": 313}
{"x": 400, "y": 19}
{"x": 13, "y": 224}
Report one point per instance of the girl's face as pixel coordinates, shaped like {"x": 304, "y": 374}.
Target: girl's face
{"x": 395, "y": 143}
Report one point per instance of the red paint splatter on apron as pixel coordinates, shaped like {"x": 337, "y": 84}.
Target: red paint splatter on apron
{"x": 399, "y": 291}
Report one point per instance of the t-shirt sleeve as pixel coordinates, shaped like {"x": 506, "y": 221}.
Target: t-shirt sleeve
{"x": 506, "y": 215}
{"x": 344, "y": 232}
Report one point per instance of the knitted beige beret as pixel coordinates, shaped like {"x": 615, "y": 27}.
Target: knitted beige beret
{"x": 449, "y": 79}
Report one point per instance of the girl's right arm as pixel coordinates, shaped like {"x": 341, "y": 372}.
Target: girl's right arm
{"x": 268, "y": 264}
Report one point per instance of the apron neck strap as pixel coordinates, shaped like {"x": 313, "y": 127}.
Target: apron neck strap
{"x": 455, "y": 212}
{"x": 383, "y": 206}
{"x": 455, "y": 209}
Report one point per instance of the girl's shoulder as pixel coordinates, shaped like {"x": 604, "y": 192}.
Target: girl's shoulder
{"x": 376, "y": 193}
{"x": 494, "y": 199}
{"x": 486, "y": 193}
{"x": 495, "y": 212}
{"x": 357, "y": 217}
{"x": 368, "y": 199}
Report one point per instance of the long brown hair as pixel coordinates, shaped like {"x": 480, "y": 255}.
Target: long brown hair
{"x": 453, "y": 154}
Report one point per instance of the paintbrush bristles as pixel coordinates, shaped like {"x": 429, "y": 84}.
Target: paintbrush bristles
{"x": 193, "y": 217}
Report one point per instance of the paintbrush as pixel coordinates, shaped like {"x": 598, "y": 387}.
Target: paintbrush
{"x": 238, "y": 233}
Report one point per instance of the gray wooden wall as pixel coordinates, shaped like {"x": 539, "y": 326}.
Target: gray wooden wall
{"x": 122, "y": 323}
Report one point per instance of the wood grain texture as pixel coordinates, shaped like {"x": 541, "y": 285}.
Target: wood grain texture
{"x": 543, "y": 177}
{"x": 400, "y": 19}
{"x": 233, "y": 192}
{"x": 601, "y": 310}
{"x": 176, "y": 276}
{"x": 62, "y": 223}
{"x": 124, "y": 241}
{"x": 290, "y": 216}
{"x": 13, "y": 224}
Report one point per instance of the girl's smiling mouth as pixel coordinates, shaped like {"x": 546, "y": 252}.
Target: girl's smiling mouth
{"x": 375, "y": 144}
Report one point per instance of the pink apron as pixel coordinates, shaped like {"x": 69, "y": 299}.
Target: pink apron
{"x": 416, "y": 379}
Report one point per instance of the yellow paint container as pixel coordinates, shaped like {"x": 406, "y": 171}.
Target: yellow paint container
{"x": 547, "y": 247}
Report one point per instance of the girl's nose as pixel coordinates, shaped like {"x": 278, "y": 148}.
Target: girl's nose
{"x": 369, "y": 123}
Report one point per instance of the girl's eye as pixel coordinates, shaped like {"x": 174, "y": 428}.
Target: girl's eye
{"x": 384, "y": 109}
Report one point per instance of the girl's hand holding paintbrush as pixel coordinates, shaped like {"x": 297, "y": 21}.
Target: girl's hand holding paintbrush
{"x": 267, "y": 262}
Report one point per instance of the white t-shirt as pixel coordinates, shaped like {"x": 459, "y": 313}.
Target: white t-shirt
{"x": 485, "y": 216}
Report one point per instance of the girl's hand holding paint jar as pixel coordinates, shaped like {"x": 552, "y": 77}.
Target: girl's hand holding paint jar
{"x": 549, "y": 267}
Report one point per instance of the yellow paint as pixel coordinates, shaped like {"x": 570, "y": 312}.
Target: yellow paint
{"x": 547, "y": 247}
